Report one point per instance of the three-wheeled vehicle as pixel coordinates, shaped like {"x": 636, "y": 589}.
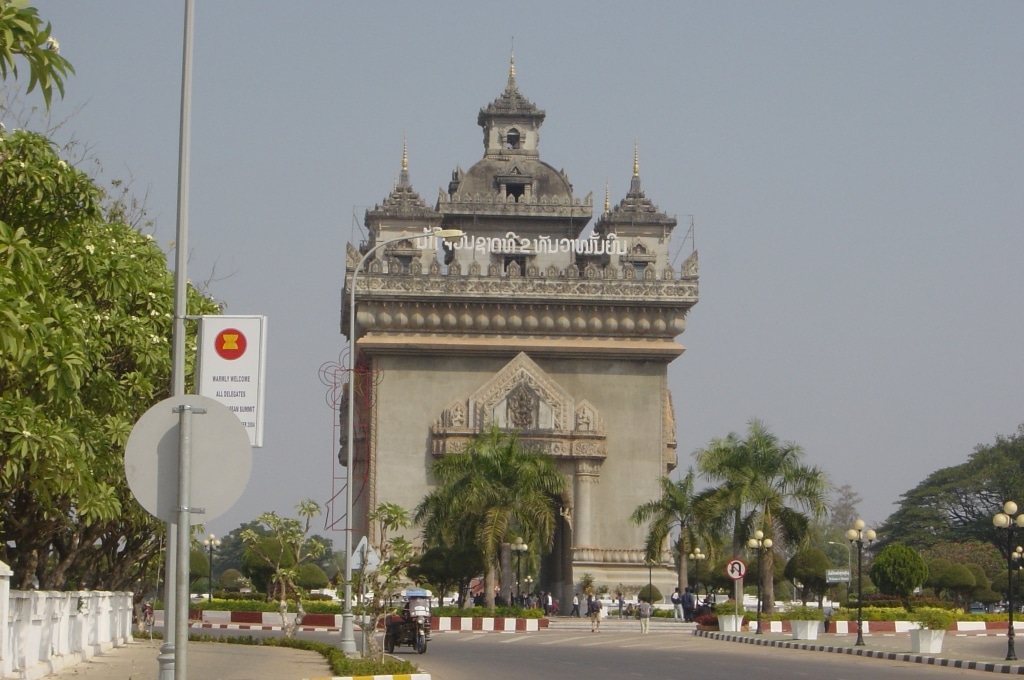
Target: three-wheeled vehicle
{"x": 411, "y": 626}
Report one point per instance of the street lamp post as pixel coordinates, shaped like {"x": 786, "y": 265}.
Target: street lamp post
{"x": 529, "y": 586}
{"x": 518, "y": 547}
{"x": 697, "y": 556}
{"x": 1006, "y": 520}
{"x": 858, "y": 534}
{"x": 760, "y": 545}
{"x": 211, "y": 542}
{"x": 348, "y": 638}
{"x": 1018, "y": 559}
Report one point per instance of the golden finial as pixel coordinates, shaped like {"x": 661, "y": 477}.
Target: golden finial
{"x": 512, "y": 66}
{"x": 405, "y": 154}
{"x": 607, "y": 198}
{"x": 636, "y": 159}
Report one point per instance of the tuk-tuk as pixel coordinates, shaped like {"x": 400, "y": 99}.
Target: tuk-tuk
{"x": 411, "y": 626}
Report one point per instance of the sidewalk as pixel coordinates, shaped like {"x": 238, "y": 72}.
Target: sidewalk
{"x": 206, "y": 660}
{"x": 983, "y": 652}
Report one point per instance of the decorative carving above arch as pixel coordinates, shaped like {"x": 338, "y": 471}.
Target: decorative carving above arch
{"x": 524, "y": 398}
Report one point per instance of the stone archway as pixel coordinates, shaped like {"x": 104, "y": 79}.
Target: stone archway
{"x": 524, "y": 398}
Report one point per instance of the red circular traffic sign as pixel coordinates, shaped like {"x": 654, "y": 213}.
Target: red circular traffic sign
{"x": 736, "y": 569}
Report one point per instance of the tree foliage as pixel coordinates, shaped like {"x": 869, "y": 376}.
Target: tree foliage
{"x": 898, "y": 570}
{"x": 763, "y": 485}
{"x": 956, "y": 504}
{"x": 674, "y": 513}
{"x": 85, "y": 327}
{"x": 283, "y": 551}
{"x": 809, "y": 567}
{"x": 385, "y": 582}
{"x": 447, "y": 569}
{"x": 24, "y": 36}
{"x": 491, "y": 492}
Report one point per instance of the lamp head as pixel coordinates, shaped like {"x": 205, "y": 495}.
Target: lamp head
{"x": 448, "y": 235}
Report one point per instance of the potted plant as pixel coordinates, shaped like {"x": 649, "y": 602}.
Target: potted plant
{"x": 728, "y": 620}
{"x": 804, "y": 622}
{"x": 932, "y": 622}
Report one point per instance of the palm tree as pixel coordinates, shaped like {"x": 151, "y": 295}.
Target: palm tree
{"x": 674, "y": 513}
{"x": 489, "y": 493}
{"x": 763, "y": 485}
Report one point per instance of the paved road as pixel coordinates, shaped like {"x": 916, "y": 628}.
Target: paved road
{"x": 569, "y": 651}
{"x": 624, "y": 653}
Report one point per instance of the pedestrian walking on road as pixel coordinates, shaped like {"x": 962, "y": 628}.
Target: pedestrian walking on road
{"x": 645, "y": 617}
{"x": 575, "y": 606}
{"x": 595, "y": 615}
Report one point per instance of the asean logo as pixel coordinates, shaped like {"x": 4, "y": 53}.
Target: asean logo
{"x": 230, "y": 344}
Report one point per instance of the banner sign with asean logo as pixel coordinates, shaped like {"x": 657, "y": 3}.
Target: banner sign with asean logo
{"x": 232, "y": 363}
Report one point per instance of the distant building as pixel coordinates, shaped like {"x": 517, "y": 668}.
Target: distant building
{"x": 566, "y": 340}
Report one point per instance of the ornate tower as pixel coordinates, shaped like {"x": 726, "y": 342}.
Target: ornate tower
{"x": 526, "y": 324}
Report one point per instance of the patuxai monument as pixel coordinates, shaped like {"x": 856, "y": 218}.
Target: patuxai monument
{"x": 528, "y": 323}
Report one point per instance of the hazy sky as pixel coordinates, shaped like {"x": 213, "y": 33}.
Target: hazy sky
{"x": 855, "y": 173}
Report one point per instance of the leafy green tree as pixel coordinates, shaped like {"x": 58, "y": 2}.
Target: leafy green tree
{"x": 261, "y": 561}
{"x": 231, "y": 579}
{"x": 808, "y": 566}
{"x": 23, "y": 35}
{"x": 311, "y": 577}
{"x": 960, "y": 581}
{"x": 937, "y": 569}
{"x": 446, "y": 569}
{"x": 762, "y": 485}
{"x": 650, "y": 593}
{"x": 956, "y": 504}
{"x": 284, "y": 551}
{"x": 962, "y": 552}
{"x": 898, "y": 570}
{"x": 198, "y": 570}
{"x": 84, "y": 351}
{"x": 491, "y": 492}
{"x": 385, "y": 582}
{"x": 673, "y": 514}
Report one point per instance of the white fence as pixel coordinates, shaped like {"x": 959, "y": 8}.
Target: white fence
{"x": 42, "y": 632}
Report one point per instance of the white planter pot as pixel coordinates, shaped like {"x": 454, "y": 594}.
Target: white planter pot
{"x": 926, "y": 641}
{"x": 729, "y": 623}
{"x": 804, "y": 630}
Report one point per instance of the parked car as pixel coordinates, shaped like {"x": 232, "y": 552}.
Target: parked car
{"x": 976, "y": 608}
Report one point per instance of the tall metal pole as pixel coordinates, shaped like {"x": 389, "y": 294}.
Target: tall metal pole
{"x": 1011, "y": 652}
{"x": 348, "y": 638}
{"x": 860, "y": 595}
{"x": 1006, "y": 520}
{"x": 171, "y": 653}
{"x": 857, "y": 534}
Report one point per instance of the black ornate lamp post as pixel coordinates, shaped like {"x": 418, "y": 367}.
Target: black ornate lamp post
{"x": 697, "y": 556}
{"x": 518, "y": 547}
{"x": 211, "y": 542}
{"x": 858, "y": 534}
{"x": 1007, "y": 519}
{"x": 650, "y": 580}
{"x": 760, "y": 545}
{"x": 1018, "y": 559}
